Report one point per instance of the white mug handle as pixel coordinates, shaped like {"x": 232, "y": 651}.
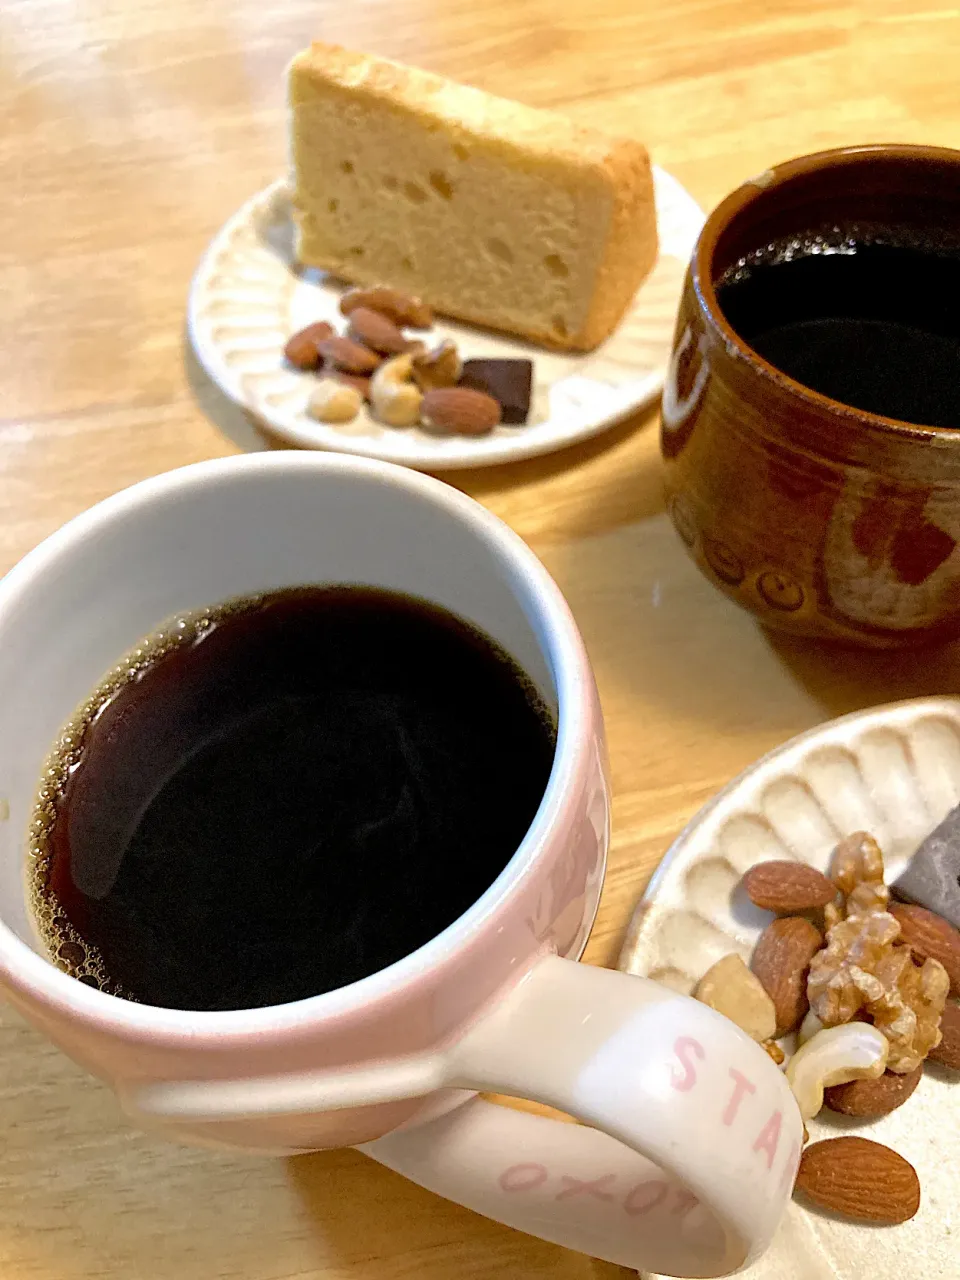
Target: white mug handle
{"x": 707, "y": 1134}
{"x": 694, "y": 1137}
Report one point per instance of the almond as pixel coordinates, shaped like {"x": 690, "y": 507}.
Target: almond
{"x": 399, "y": 307}
{"x": 870, "y": 1098}
{"x": 788, "y": 887}
{"x": 859, "y": 1179}
{"x": 927, "y": 934}
{"x": 378, "y": 332}
{"x": 947, "y": 1052}
{"x": 459, "y": 411}
{"x": 349, "y": 356}
{"x": 781, "y": 959}
{"x": 302, "y": 350}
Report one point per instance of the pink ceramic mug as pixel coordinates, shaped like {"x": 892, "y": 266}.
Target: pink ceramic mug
{"x": 694, "y": 1136}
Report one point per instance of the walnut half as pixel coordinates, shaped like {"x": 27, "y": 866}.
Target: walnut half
{"x": 857, "y": 870}
{"x": 865, "y": 966}
{"x": 843, "y": 976}
{"x": 439, "y": 367}
{"x": 909, "y": 1011}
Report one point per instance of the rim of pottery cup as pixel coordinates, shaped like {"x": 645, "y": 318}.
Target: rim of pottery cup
{"x": 756, "y": 189}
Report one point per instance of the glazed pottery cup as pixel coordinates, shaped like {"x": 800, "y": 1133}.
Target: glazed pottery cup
{"x": 693, "y": 1137}
{"x": 819, "y": 518}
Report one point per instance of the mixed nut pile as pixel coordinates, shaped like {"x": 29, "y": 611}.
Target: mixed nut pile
{"x": 405, "y": 381}
{"x": 865, "y": 985}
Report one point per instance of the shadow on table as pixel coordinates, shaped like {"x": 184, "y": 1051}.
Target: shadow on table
{"x": 845, "y": 679}
{"x": 480, "y": 481}
{"x": 373, "y": 1224}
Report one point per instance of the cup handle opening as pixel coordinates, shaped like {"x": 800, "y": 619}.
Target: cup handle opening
{"x": 693, "y": 1141}
{"x": 564, "y": 1183}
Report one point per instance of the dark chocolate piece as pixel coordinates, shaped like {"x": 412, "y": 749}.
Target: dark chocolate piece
{"x": 508, "y": 381}
{"x": 932, "y": 876}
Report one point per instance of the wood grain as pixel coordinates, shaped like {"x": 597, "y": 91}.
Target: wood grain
{"x": 131, "y": 129}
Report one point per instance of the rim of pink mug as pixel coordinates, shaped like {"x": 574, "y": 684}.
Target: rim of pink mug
{"x": 25, "y": 969}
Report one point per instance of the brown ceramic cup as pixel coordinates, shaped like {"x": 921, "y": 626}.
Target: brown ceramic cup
{"x": 820, "y": 518}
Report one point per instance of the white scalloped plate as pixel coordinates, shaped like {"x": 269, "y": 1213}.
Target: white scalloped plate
{"x": 248, "y": 296}
{"x": 893, "y": 771}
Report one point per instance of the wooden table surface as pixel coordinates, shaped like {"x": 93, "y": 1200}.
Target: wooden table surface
{"x": 131, "y": 128}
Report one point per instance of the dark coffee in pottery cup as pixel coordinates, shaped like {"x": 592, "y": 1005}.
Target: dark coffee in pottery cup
{"x": 811, "y": 417}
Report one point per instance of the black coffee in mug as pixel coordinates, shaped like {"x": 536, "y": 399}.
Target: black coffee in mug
{"x": 284, "y": 794}
{"x": 867, "y": 315}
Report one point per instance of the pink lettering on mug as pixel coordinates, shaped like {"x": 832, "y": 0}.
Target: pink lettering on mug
{"x": 741, "y": 1086}
{"x": 523, "y": 1177}
{"x": 684, "y": 1047}
{"x": 768, "y": 1138}
{"x": 645, "y": 1197}
{"x": 579, "y": 1187}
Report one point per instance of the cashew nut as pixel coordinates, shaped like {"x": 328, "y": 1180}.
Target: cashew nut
{"x": 333, "y": 401}
{"x": 394, "y": 397}
{"x": 853, "y": 1051}
{"x": 808, "y": 1028}
{"x": 731, "y": 989}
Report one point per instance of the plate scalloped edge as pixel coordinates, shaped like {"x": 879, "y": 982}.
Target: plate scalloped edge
{"x": 894, "y": 771}
{"x": 247, "y": 297}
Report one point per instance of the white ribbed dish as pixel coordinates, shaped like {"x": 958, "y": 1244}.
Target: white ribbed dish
{"x": 248, "y": 296}
{"x": 893, "y": 771}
